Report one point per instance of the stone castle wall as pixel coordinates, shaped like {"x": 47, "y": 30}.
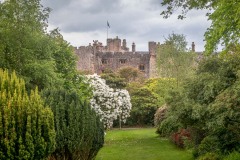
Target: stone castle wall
{"x": 85, "y": 56}
{"x": 153, "y": 59}
{"x": 117, "y": 60}
{"x": 96, "y": 58}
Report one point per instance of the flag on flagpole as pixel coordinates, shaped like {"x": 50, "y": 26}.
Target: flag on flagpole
{"x": 108, "y": 24}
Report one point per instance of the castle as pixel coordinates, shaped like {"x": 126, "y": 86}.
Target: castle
{"x": 96, "y": 58}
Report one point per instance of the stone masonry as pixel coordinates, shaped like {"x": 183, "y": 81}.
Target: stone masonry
{"x": 95, "y": 58}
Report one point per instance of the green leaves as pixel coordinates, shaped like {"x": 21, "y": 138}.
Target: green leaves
{"x": 26, "y": 128}
{"x": 114, "y": 80}
{"x": 225, "y": 27}
{"x": 144, "y": 104}
{"x": 224, "y": 14}
{"x": 173, "y": 58}
{"x": 208, "y": 106}
{"x": 79, "y": 132}
{"x": 41, "y": 59}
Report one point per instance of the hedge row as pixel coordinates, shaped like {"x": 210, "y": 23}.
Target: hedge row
{"x": 29, "y": 129}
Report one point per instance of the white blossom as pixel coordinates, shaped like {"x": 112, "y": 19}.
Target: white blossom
{"x": 109, "y": 103}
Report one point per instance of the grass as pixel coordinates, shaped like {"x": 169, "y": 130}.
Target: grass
{"x": 139, "y": 144}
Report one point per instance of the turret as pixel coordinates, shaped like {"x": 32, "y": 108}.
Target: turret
{"x": 193, "y": 47}
{"x": 117, "y": 44}
{"x": 124, "y": 44}
{"x": 114, "y": 45}
{"x": 133, "y": 47}
{"x": 152, "y": 46}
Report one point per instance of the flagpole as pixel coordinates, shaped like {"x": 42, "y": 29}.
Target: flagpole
{"x": 108, "y": 26}
{"x": 107, "y": 31}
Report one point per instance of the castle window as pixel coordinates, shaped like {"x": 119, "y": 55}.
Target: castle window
{"x": 122, "y": 61}
{"x": 141, "y": 67}
{"x": 104, "y": 61}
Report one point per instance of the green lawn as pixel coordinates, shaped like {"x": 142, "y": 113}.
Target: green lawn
{"x": 139, "y": 144}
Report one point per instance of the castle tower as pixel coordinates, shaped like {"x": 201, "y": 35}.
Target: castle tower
{"x": 113, "y": 45}
{"x": 193, "y": 47}
{"x": 124, "y": 44}
{"x": 109, "y": 44}
{"x": 117, "y": 44}
{"x": 86, "y": 57}
{"x": 133, "y": 47}
{"x": 152, "y": 46}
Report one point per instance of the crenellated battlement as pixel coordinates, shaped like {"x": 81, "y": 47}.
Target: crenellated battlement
{"x": 96, "y": 57}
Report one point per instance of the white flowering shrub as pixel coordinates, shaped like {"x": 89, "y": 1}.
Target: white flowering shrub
{"x": 109, "y": 103}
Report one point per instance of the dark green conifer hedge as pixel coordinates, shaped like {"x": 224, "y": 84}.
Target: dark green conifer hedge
{"x": 80, "y": 134}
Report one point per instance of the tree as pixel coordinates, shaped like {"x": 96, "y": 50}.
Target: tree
{"x": 131, "y": 74}
{"x": 224, "y": 15}
{"x": 113, "y": 79}
{"x": 64, "y": 56}
{"x": 161, "y": 87}
{"x": 25, "y": 47}
{"x": 109, "y": 103}
{"x": 26, "y": 124}
{"x": 144, "y": 105}
{"x": 79, "y": 132}
{"x": 208, "y": 107}
{"x": 173, "y": 58}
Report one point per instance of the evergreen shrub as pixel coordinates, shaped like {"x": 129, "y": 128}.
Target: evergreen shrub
{"x": 79, "y": 132}
{"x": 26, "y": 125}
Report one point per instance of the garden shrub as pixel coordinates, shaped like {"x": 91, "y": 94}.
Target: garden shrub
{"x": 209, "y": 144}
{"x": 144, "y": 105}
{"x": 168, "y": 127}
{"x": 208, "y": 105}
{"x": 110, "y": 104}
{"x": 161, "y": 88}
{"x": 113, "y": 79}
{"x": 233, "y": 156}
{"x": 180, "y": 137}
{"x": 210, "y": 156}
{"x": 159, "y": 116}
{"x": 26, "y": 125}
{"x": 80, "y": 134}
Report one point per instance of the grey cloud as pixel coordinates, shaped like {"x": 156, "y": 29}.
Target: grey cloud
{"x": 56, "y": 4}
{"x": 84, "y": 15}
{"x": 137, "y": 20}
{"x": 84, "y": 6}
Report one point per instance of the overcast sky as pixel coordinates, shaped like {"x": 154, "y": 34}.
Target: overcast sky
{"x": 139, "y": 21}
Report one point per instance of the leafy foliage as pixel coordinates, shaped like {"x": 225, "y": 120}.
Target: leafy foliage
{"x": 114, "y": 80}
{"x": 159, "y": 116}
{"x": 80, "y": 134}
{"x": 25, "y": 47}
{"x": 224, "y": 15}
{"x": 179, "y": 137}
{"x": 146, "y": 97}
{"x": 161, "y": 88}
{"x": 144, "y": 105}
{"x": 233, "y": 156}
{"x": 27, "y": 126}
{"x": 173, "y": 58}
{"x": 208, "y": 107}
{"x": 46, "y": 61}
{"x": 42, "y": 59}
{"x": 131, "y": 74}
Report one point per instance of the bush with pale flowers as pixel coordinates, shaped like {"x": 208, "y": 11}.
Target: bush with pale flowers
{"x": 110, "y": 104}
